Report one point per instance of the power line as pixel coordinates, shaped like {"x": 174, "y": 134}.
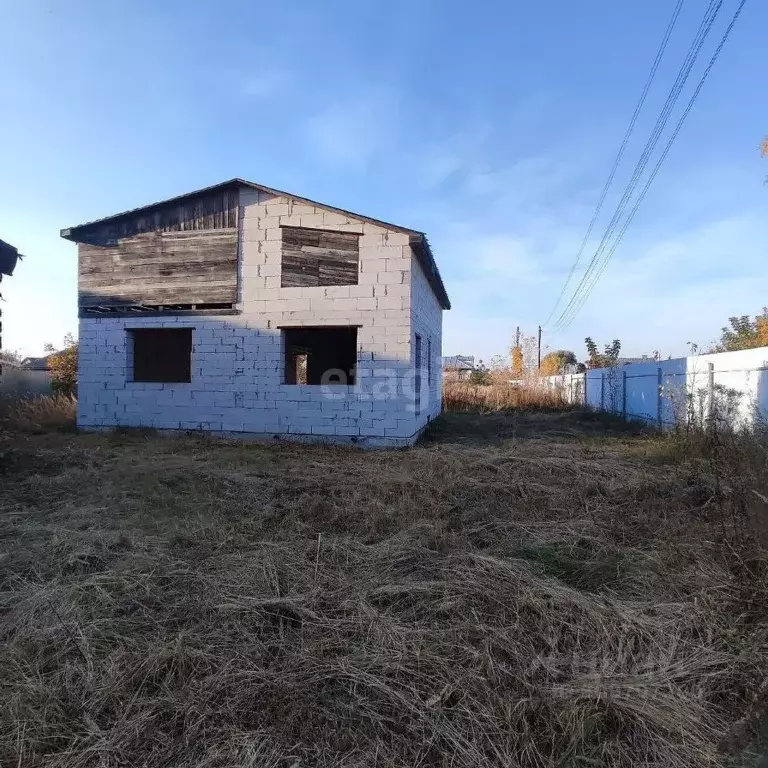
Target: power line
{"x": 674, "y": 94}
{"x": 683, "y": 73}
{"x": 662, "y": 158}
{"x": 602, "y": 264}
{"x": 620, "y": 154}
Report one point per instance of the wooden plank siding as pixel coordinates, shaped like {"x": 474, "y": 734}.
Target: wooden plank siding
{"x": 314, "y": 257}
{"x": 157, "y": 268}
{"x": 214, "y": 210}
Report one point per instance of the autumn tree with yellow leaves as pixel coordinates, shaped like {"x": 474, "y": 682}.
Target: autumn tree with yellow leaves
{"x": 744, "y": 332}
{"x": 518, "y": 364}
{"x": 554, "y": 363}
{"x": 63, "y": 366}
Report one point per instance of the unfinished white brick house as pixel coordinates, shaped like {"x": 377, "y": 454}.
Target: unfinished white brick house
{"x": 242, "y": 309}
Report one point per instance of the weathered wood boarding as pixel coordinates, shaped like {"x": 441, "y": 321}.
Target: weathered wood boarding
{"x": 161, "y": 268}
{"x": 181, "y": 253}
{"x": 314, "y": 257}
{"x": 210, "y": 210}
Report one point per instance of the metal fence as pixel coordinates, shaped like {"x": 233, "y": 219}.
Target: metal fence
{"x": 730, "y": 385}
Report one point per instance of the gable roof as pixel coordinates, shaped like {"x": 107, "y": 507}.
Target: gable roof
{"x": 418, "y": 240}
{"x": 38, "y": 363}
{"x": 28, "y": 363}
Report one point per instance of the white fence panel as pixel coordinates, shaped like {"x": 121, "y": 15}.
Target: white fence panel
{"x": 738, "y": 377}
{"x": 733, "y": 385}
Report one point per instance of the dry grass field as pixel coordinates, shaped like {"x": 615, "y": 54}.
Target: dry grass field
{"x": 462, "y": 397}
{"x": 520, "y": 589}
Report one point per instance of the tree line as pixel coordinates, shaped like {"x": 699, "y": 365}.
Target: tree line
{"x": 742, "y": 332}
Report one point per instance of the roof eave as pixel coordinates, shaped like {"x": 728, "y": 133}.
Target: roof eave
{"x": 428, "y": 264}
{"x": 70, "y": 233}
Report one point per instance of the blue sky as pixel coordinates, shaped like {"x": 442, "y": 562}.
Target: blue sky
{"x": 489, "y": 125}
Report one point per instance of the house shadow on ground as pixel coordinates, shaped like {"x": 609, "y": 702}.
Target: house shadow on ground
{"x": 502, "y": 427}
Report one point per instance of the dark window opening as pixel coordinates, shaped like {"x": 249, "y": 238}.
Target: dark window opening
{"x": 162, "y": 354}
{"x": 417, "y": 378}
{"x": 315, "y": 257}
{"x": 320, "y": 355}
{"x": 429, "y": 360}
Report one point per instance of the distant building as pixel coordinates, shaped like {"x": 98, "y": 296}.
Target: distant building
{"x": 25, "y": 378}
{"x": 9, "y": 257}
{"x": 458, "y": 367}
{"x": 633, "y": 360}
{"x": 38, "y": 363}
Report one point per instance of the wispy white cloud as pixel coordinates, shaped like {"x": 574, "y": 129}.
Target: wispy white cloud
{"x": 668, "y": 284}
{"x": 539, "y": 171}
{"x": 659, "y": 294}
{"x": 438, "y": 168}
{"x": 449, "y": 157}
{"x": 506, "y": 235}
{"x": 681, "y": 288}
{"x": 465, "y": 333}
{"x": 266, "y": 84}
{"x": 351, "y": 132}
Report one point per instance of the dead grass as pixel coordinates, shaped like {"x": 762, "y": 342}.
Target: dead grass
{"x": 39, "y": 414}
{"x": 520, "y": 589}
{"x": 459, "y": 396}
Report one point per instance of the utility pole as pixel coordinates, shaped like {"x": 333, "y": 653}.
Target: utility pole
{"x": 539, "y": 349}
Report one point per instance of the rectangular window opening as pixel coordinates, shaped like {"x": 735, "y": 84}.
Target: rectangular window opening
{"x": 318, "y": 356}
{"x": 161, "y": 354}
{"x": 429, "y": 360}
{"x": 417, "y": 378}
{"x": 316, "y": 257}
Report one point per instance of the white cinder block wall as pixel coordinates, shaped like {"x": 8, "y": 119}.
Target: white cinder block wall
{"x": 427, "y": 321}
{"x": 237, "y": 360}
